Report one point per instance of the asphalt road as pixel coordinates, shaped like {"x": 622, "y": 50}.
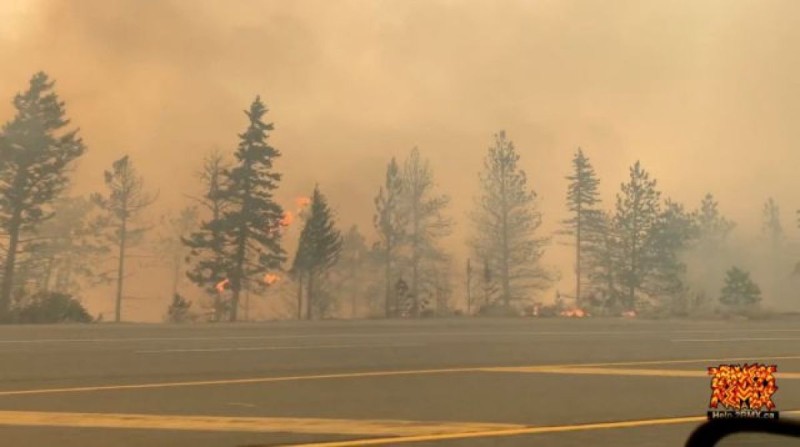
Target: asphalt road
{"x": 467, "y": 382}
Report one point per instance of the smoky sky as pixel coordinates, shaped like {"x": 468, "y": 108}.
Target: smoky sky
{"x": 705, "y": 93}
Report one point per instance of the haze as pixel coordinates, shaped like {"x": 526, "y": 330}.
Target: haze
{"x": 704, "y": 93}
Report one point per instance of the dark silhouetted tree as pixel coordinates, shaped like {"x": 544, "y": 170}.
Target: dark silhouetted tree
{"x": 674, "y": 233}
{"x": 318, "y": 250}
{"x": 36, "y": 153}
{"x": 251, "y": 223}
{"x": 637, "y": 215}
{"x": 586, "y": 221}
{"x": 208, "y": 256}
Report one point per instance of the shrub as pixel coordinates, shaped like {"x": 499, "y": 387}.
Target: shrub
{"x": 52, "y": 307}
{"x": 178, "y": 310}
{"x": 739, "y": 290}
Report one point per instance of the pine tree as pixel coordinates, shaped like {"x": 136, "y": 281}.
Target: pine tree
{"x": 604, "y": 265}
{"x": 585, "y": 224}
{"x": 426, "y": 226}
{"x": 637, "y": 213}
{"x": 36, "y": 153}
{"x": 771, "y": 226}
{"x": 251, "y": 224}
{"x": 674, "y": 233}
{"x": 739, "y": 290}
{"x": 125, "y": 201}
{"x": 208, "y": 254}
{"x": 506, "y": 221}
{"x": 318, "y": 250}
{"x": 712, "y": 227}
{"x": 390, "y": 222}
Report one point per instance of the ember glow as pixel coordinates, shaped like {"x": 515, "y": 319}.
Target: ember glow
{"x": 302, "y": 202}
{"x": 575, "y": 313}
{"x": 221, "y": 285}
{"x": 288, "y": 218}
{"x": 271, "y": 278}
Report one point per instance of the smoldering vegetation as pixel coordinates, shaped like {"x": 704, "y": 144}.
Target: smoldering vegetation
{"x": 396, "y": 159}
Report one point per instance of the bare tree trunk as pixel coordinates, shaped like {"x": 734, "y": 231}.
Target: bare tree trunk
{"x": 388, "y": 300}
{"x": 310, "y": 295}
{"x": 353, "y": 289}
{"x": 247, "y": 304}
{"x": 234, "y": 304}
{"x": 48, "y": 274}
{"x": 578, "y": 241}
{"x": 176, "y": 275}
{"x": 300, "y": 297}
{"x": 504, "y": 267}
{"x": 8, "y": 270}
{"x": 123, "y": 233}
{"x": 469, "y": 287}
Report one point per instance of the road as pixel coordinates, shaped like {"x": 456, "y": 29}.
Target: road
{"x": 461, "y": 382}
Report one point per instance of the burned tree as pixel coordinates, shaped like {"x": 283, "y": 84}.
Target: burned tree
{"x": 125, "y": 200}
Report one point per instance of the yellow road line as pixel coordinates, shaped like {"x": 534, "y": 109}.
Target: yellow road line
{"x": 507, "y": 432}
{"x": 625, "y": 372}
{"x": 244, "y": 424}
{"x": 516, "y": 431}
{"x": 236, "y": 381}
{"x": 252, "y": 380}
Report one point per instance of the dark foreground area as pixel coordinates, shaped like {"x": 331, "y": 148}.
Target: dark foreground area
{"x": 481, "y": 382}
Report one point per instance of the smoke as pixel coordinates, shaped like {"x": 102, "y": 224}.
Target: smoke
{"x": 701, "y": 91}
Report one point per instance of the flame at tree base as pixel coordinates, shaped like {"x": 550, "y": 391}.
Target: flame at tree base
{"x": 221, "y": 285}
{"x": 574, "y": 313}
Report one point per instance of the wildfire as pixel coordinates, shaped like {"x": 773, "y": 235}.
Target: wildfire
{"x": 271, "y": 279}
{"x": 287, "y": 219}
{"x": 221, "y": 285}
{"x": 629, "y": 314}
{"x": 575, "y": 313}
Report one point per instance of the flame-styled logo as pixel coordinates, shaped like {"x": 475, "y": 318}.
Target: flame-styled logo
{"x": 739, "y": 387}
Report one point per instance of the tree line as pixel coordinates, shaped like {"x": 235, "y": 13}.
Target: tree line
{"x": 230, "y": 241}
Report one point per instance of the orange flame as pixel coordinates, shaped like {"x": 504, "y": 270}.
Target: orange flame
{"x": 287, "y": 219}
{"x": 221, "y": 285}
{"x": 577, "y": 313}
{"x": 302, "y": 202}
{"x": 271, "y": 278}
